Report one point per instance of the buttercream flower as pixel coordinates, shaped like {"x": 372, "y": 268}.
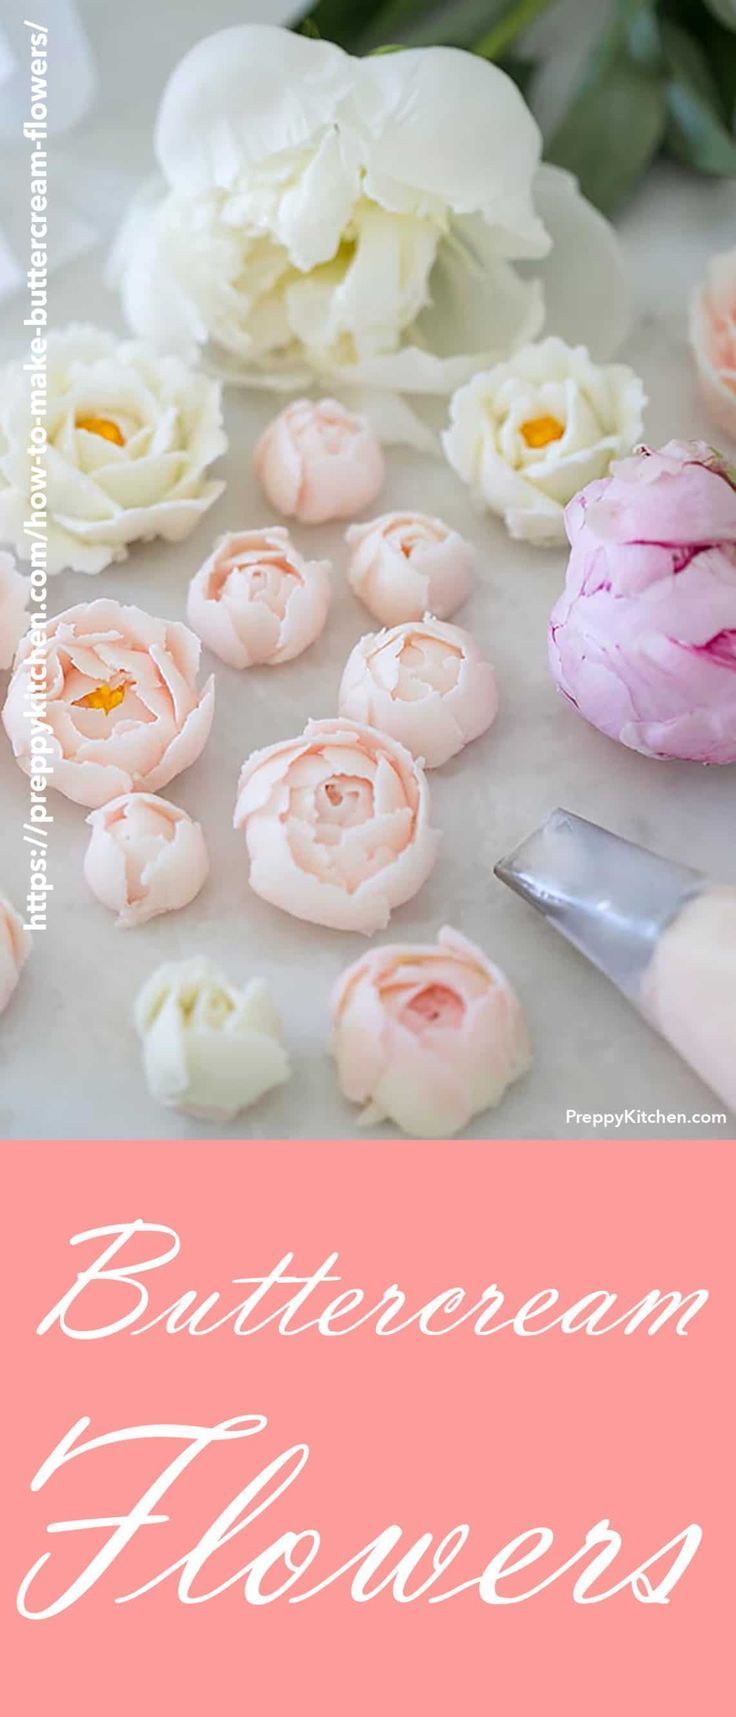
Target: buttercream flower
{"x": 713, "y": 336}
{"x": 15, "y": 946}
{"x": 529, "y": 433}
{"x": 317, "y": 461}
{"x": 357, "y": 219}
{"x": 337, "y": 825}
{"x": 144, "y": 857}
{"x": 425, "y": 683}
{"x": 427, "y": 1035}
{"x": 643, "y": 639}
{"x": 122, "y": 709}
{"x": 14, "y": 593}
{"x": 209, "y": 1049}
{"x": 405, "y": 565}
{"x": 257, "y": 599}
{"x": 130, "y": 436}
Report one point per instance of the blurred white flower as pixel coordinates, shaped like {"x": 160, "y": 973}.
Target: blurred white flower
{"x": 357, "y": 220}
{"x": 528, "y": 434}
{"x": 131, "y": 433}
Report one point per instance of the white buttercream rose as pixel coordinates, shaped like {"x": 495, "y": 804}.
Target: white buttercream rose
{"x": 209, "y": 1049}
{"x": 15, "y": 946}
{"x": 528, "y": 434}
{"x": 357, "y": 218}
{"x": 130, "y": 436}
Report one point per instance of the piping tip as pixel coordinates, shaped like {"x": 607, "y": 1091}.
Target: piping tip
{"x": 610, "y": 898}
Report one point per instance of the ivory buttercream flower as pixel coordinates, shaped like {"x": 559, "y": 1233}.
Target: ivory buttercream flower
{"x": 144, "y": 857}
{"x": 337, "y": 825}
{"x": 643, "y": 638}
{"x": 209, "y": 1049}
{"x": 15, "y": 946}
{"x": 713, "y": 336}
{"x": 14, "y": 594}
{"x": 529, "y": 433}
{"x": 317, "y": 461}
{"x": 257, "y": 599}
{"x": 130, "y": 436}
{"x": 122, "y": 708}
{"x": 425, "y": 683}
{"x": 405, "y": 565}
{"x": 427, "y": 1035}
{"x": 357, "y": 219}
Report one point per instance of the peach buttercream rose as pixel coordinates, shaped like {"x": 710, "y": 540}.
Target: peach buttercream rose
{"x": 713, "y": 337}
{"x": 144, "y": 857}
{"x": 337, "y": 825}
{"x": 317, "y": 461}
{"x": 425, "y": 683}
{"x": 14, "y": 593}
{"x": 15, "y": 946}
{"x": 257, "y": 599}
{"x": 122, "y": 708}
{"x": 405, "y": 565}
{"x": 427, "y": 1036}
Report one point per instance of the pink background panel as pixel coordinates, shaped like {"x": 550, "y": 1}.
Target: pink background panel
{"x": 504, "y": 1433}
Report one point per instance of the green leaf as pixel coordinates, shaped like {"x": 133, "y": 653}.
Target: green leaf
{"x": 513, "y": 20}
{"x": 612, "y": 130}
{"x": 697, "y": 132}
{"x": 724, "y": 11}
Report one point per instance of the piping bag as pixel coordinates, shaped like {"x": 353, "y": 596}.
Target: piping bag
{"x": 664, "y": 934}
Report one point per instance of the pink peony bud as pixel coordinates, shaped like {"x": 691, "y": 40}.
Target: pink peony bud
{"x": 643, "y": 639}
{"x": 425, "y": 683}
{"x": 427, "y": 1036}
{"x": 713, "y": 338}
{"x": 317, "y": 461}
{"x": 144, "y": 857}
{"x": 257, "y": 599}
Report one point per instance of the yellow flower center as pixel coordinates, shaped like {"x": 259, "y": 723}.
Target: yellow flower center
{"x": 104, "y": 426}
{"x": 104, "y": 697}
{"x": 539, "y": 431}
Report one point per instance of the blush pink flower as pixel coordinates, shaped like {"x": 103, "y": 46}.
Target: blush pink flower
{"x": 643, "y": 639}
{"x": 122, "y": 705}
{"x": 425, "y": 683}
{"x": 317, "y": 461}
{"x": 14, "y": 593}
{"x": 427, "y": 1036}
{"x": 337, "y": 825}
{"x": 15, "y": 946}
{"x": 404, "y": 565}
{"x": 144, "y": 857}
{"x": 258, "y": 600}
{"x": 713, "y": 338}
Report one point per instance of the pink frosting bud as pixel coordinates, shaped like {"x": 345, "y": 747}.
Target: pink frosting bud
{"x": 337, "y": 825}
{"x": 425, "y": 683}
{"x": 257, "y": 599}
{"x": 144, "y": 857}
{"x": 317, "y": 461}
{"x": 427, "y": 1036}
{"x": 15, "y": 946}
{"x": 713, "y": 337}
{"x": 643, "y": 639}
{"x": 121, "y": 701}
{"x": 404, "y": 565}
{"x": 14, "y": 593}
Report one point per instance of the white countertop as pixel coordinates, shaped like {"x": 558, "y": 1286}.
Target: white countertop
{"x": 69, "y": 1058}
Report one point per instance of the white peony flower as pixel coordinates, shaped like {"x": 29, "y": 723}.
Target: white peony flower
{"x": 357, "y": 219}
{"x": 131, "y": 434}
{"x": 209, "y": 1049}
{"x": 527, "y": 435}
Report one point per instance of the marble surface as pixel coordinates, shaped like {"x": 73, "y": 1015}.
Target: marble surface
{"x": 69, "y": 1058}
